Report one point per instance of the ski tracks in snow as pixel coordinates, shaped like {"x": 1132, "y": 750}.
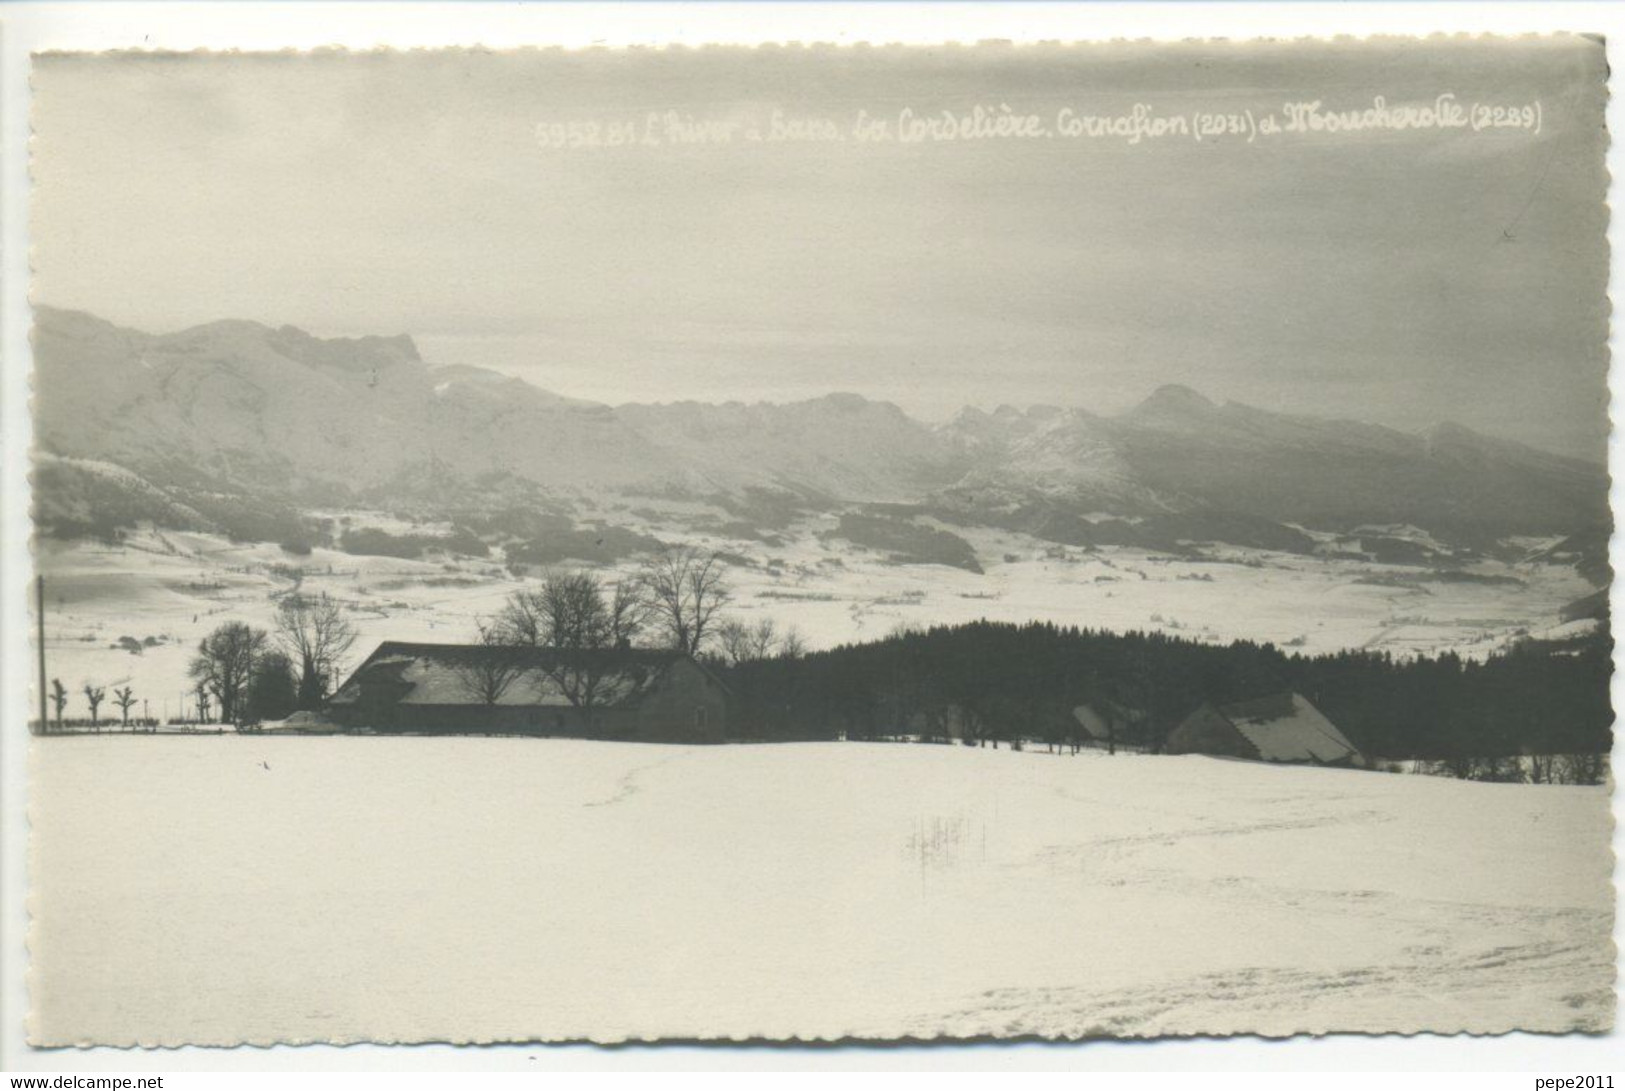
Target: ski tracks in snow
{"x": 1424, "y": 964}
{"x": 1557, "y": 984}
{"x": 628, "y": 784}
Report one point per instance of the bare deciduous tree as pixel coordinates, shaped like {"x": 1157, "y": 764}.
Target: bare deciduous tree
{"x": 686, "y": 590}
{"x": 577, "y": 615}
{"x": 1581, "y": 769}
{"x": 492, "y": 668}
{"x": 225, "y": 662}
{"x": 742, "y": 643}
{"x": 522, "y": 619}
{"x": 124, "y": 698}
{"x": 94, "y": 695}
{"x": 1542, "y": 768}
{"x": 577, "y": 629}
{"x": 59, "y": 698}
{"x": 317, "y": 637}
{"x": 629, "y": 612}
{"x": 573, "y": 616}
{"x": 792, "y": 645}
{"x": 567, "y": 611}
{"x": 574, "y": 609}
{"x": 734, "y": 636}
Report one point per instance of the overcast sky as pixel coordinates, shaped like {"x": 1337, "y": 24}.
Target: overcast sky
{"x": 1400, "y": 277}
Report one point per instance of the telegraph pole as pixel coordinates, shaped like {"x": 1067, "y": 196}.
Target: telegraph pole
{"x": 39, "y": 608}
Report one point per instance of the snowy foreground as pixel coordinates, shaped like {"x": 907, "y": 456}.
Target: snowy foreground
{"x": 214, "y": 890}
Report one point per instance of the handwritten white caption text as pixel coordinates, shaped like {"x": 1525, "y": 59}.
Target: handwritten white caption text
{"x": 1139, "y": 124}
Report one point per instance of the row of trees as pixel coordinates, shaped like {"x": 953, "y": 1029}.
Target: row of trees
{"x": 1580, "y": 768}
{"x": 245, "y": 674}
{"x": 124, "y": 699}
{"x": 241, "y": 673}
{"x": 675, "y": 601}
{"x": 1008, "y": 682}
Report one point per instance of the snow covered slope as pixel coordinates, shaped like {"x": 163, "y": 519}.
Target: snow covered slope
{"x": 246, "y": 405}
{"x": 276, "y": 411}
{"x": 301, "y": 889}
{"x": 840, "y": 446}
{"x": 1179, "y": 451}
{"x": 250, "y": 406}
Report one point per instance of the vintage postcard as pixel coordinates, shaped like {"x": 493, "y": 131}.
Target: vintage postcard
{"x": 811, "y": 543}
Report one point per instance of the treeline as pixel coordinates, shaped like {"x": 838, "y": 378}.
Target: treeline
{"x": 372, "y": 542}
{"x": 1021, "y": 682}
{"x": 244, "y": 675}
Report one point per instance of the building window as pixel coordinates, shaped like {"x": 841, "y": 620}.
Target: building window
{"x": 701, "y": 718}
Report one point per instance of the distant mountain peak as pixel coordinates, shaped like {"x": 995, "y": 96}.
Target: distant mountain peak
{"x": 845, "y": 401}
{"x": 344, "y": 353}
{"x": 1174, "y": 398}
{"x": 224, "y": 328}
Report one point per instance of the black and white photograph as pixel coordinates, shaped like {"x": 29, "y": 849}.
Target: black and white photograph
{"x": 819, "y": 543}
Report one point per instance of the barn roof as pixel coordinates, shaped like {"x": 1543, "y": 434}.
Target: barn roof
{"x": 1286, "y": 727}
{"x": 438, "y": 674}
{"x": 1092, "y": 716}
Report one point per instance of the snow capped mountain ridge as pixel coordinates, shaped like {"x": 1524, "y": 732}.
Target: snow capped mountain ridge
{"x": 1173, "y": 400}
{"x": 277, "y": 410}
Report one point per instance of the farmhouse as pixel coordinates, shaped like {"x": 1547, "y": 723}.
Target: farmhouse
{"x": 475, "y": 689}
{"x": 1106, "y": 723}
{"x": 1283, "y": 727}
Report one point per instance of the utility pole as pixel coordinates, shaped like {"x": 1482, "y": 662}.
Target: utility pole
{"x": 39, "y": 608}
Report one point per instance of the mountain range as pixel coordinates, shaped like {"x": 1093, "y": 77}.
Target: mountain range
{"x": 241, "y": 409}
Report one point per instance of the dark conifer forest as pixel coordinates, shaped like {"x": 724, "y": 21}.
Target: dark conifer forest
{"x": 1020, "y": 682}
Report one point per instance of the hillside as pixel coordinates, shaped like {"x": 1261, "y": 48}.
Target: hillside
{"x": 838, "y": 447}
{"x": 249, "y": 415}
{"x": 243, "y": 405}
{"x": 1178, "y": 451}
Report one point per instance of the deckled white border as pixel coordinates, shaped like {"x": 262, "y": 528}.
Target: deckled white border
{"x": 28, "y": 27}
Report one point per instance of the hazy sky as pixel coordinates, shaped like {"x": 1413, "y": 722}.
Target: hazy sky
{"x": 1397, "y": 276}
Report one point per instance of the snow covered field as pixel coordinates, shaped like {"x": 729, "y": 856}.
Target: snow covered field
{"x": 164, "y": 590}
{"x": 297, "y": 889}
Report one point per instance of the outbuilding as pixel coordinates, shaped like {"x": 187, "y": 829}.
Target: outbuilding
{"x": 1282, "y": 727}
{"x": 1105, "y": 723}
